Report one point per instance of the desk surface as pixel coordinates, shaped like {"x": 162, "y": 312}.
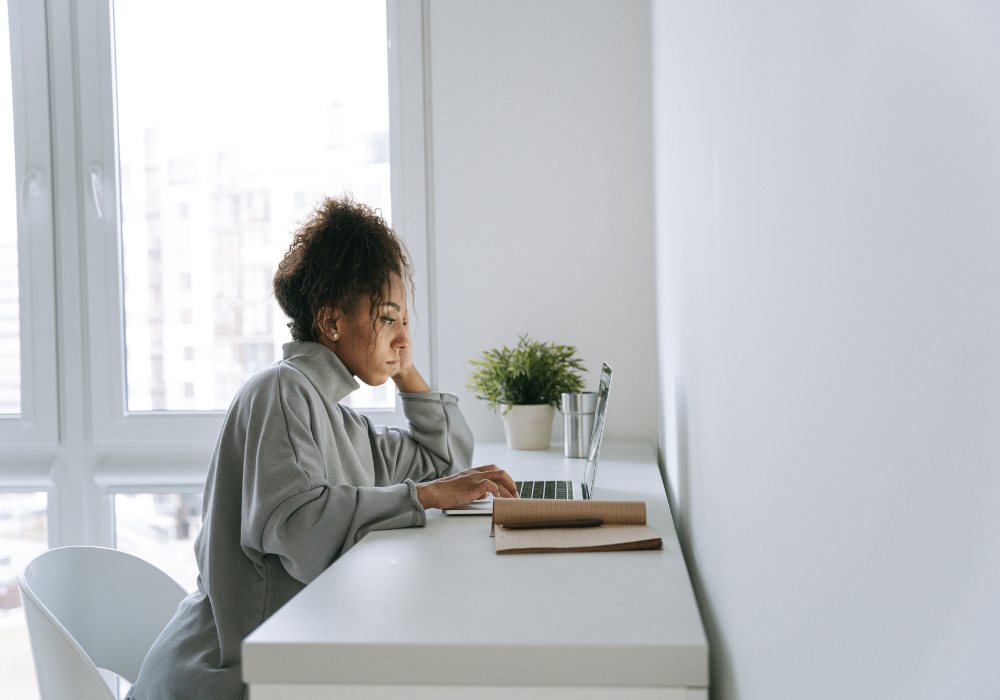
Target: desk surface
{"x": 438, "y": 605}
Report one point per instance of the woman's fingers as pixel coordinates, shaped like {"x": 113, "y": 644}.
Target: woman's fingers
{"x": 505, "y": 493}
{"x": 470, "y": 485}
{"x": 494, "y": 473}
{"x": 502, "y": 481}
{"x": 488, "y": 486}
{"x": 502, "y": 477}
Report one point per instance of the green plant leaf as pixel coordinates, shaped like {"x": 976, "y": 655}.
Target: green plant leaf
{"x": 532, "y": 373}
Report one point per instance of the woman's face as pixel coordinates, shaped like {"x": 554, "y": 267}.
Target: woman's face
{"x": 372, "y": 358}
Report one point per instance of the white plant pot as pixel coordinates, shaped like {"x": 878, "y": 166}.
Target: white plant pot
{"x": 528, "y": 427}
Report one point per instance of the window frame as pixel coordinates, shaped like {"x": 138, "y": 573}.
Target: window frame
{"x": 180, "y": 442}
{"x": 29, "y": 440}
{"x": 75, "y": 434}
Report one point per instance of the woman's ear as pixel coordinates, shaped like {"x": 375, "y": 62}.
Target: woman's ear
{"x": 327, "y": 322}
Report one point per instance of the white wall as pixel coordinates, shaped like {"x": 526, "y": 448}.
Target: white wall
{"x": 828, "y": 246}
{"x": 542, "y": 177}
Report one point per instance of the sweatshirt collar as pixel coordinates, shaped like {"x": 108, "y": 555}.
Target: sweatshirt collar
{"x": 322, "y": 367}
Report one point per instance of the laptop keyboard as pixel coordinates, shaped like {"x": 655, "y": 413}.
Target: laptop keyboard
{"x": 562, "y": 490}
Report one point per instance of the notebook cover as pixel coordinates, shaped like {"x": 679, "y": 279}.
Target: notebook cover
{"x": 606, "y": 538}
{"x": 624, "y": 526}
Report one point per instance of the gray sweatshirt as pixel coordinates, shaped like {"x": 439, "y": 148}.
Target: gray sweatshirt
{"x": 296, "y": 480}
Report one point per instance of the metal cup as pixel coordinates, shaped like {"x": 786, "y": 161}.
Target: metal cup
{"x": 578, "y": 422}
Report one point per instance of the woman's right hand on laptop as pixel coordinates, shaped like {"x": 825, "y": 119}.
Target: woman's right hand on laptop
{"x": 465, "y": 487}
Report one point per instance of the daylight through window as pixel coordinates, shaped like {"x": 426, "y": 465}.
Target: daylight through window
{"x": 233, "y": 120}
{"x": 10, "y": 335}
{"x": 161, "y": 528}
{"x": 23, "y": 536}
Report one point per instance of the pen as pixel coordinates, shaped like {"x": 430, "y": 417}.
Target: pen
{"x": 540, "y": 524}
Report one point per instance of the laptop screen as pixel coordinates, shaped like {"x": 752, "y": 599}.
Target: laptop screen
{"x": 590, "y": 473}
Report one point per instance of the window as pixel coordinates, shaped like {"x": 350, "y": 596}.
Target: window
{"x": 28, "y": 390}
{"x": 183, "y": 170}
{"x": 377, "y": 148}
{"x": 193, "y": 319}
{"x": 23, "y": 536}
{"x": 10, "y": 336}
{"x": 273, "y": 130}
{"x": 161, "y": 528}
{"x": 186, "y": 214}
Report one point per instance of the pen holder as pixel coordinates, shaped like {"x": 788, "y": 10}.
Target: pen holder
{"x": 578, "y": 422}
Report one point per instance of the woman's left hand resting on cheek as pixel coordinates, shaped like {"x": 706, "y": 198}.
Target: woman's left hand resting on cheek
{"x": 465, "y": 487}
{"x": 407, "y": 378}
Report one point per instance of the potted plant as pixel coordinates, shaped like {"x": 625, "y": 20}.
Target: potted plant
{"x": 527, "y": 383}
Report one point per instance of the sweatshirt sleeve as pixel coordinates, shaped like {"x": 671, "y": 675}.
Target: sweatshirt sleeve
{"x": 437, "y": 443}
{"x": 290, "y": 509}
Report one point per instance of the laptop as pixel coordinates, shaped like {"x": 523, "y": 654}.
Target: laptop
{"x": 555, "y": 489}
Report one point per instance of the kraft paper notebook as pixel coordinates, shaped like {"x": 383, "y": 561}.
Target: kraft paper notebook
{"x": 624, "y": 526}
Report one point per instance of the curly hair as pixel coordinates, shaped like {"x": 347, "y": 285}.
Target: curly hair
{"x": 344, "y": 252}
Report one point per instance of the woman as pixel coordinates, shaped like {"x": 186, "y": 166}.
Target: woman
{"x": 297, "y": 478}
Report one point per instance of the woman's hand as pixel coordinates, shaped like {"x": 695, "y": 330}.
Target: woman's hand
{"x": 406, "y": 349}
{"x": 406, "y": 377}
{"x": 465, "y": 487}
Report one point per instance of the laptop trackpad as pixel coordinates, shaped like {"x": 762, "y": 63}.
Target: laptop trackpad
{"x": 483, "y": 506}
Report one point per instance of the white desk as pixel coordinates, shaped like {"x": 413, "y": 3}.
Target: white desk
{"x": 434, "y": 613}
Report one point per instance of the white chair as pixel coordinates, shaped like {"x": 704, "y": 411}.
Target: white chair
{"x": 90, "y": 608}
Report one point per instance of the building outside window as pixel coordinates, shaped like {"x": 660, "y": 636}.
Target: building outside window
{"x": 23, "y": 536}
{"x": 224, "y": 148}
{"x": 10, "y": 336}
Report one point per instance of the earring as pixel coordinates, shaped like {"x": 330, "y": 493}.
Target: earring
{"x": 336, "y": 335}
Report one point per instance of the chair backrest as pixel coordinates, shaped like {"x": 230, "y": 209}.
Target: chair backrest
{"x": 90, "y": 607}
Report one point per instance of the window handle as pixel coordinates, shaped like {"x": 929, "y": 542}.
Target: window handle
{"x": 31, "y": 187}
{"x": 95, "y": 188}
